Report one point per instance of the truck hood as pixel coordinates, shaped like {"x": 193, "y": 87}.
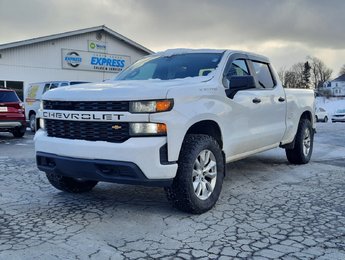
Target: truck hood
{"x": 121, "y": 90}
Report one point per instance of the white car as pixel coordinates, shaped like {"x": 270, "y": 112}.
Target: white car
{"x": 33, "y": 95}
{"x": 173, "y": 119}
{"x": 321, "y": 115}
{"x": 339, "y": 116}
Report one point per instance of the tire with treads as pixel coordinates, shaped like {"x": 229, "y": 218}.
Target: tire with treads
{"x": 182, "y": 193}
{"x": 300, "y": 154}
{"x": 19, "y": 132}
{"x": 69, "y": 184}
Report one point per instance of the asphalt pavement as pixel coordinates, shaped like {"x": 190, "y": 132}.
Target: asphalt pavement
{"x": 268, "y": 209}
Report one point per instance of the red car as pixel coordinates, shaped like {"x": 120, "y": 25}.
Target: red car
{"x": 12, "y": 116}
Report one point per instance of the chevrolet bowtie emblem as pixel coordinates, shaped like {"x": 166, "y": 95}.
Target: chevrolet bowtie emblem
{"x": 116, "y": 127}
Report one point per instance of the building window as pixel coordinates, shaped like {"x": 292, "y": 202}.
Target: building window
{"x": 17, "y": 86}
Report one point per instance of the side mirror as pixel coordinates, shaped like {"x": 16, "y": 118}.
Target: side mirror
{"x": 238, "y": 83}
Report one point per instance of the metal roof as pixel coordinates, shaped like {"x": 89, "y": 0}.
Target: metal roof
{"x": 72, "y": 33}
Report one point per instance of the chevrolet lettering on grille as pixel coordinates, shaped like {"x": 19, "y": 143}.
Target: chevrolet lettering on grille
{"x": 87, "y": 116}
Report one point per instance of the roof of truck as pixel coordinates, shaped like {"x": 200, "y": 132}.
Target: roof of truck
{"x": 250, "y": 55}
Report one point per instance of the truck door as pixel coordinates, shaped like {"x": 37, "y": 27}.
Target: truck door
{"x": 270, "y": 104}
{"x": 257, "y": 118}
{"x": 240, "y": 125}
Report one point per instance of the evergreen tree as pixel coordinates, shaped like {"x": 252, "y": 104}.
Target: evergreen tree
{"x": 306, "y": 75}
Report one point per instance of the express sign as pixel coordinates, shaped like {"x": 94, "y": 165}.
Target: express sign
{"x": 94, "y": 61}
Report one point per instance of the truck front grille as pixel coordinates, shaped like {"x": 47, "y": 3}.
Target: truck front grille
{"x": 121, "y": 106}
{"x": 114, "y": 132}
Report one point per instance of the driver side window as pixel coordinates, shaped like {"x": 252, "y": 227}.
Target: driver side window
{"x": 238, "y": 68}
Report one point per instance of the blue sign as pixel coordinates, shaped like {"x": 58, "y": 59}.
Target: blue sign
{"x": 94, "y": 61}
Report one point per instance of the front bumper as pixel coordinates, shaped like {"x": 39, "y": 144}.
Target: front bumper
{"x": 146, "y": 153}
{"x": 98, "y": 170}
{"x": 338, "y": 119}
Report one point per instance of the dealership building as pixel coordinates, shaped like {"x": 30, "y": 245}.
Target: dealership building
{"x": 93, "y": 54}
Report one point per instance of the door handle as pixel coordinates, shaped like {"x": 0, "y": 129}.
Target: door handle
{"x": 281, "y": 99}
{"x": 256, "y": 100}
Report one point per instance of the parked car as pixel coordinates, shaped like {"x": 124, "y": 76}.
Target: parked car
{"x": 339, "y": 116}
{"x": 12, "y": 115}
{"x": 32, "y": 97}
{"x": 321, "y": 115}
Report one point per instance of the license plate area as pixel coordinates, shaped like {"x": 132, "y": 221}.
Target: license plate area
{"x": 3, "y": 109}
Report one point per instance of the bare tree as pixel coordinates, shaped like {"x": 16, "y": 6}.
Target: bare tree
{"x": 310, "y": 74}
{"x": 342, "y": 70}
{"x": 296, "y": 76}
{"x": 320, "y": 73}
{"x": 282, "y": 73}
{"x": 293, "y": 77}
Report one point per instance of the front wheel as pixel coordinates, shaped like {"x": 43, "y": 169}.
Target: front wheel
{"x": 198, "y": 182}
{"x": 325, "y": 119}
{"x": 69, "y": 184}
{"x": 303, "y": 147}
{"x": 32, "y": 122}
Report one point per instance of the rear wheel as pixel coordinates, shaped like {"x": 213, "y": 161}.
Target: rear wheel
{"x": 69, "y": 184}
{"x": 19, "y": 132}
{"x": 200, "y": 174}
{"x": 325, "y": 119}
{"x": 303, "y": 147}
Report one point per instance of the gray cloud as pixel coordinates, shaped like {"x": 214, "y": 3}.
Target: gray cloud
{"x": 313, "y": 22}
{"x": 161, "y": 24}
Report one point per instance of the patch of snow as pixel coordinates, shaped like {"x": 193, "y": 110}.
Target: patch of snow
{"x": 124, "y": 89}
{"x": 330, "y": 104}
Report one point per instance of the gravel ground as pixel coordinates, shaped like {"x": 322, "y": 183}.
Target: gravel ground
{"x": 268, "y": 209}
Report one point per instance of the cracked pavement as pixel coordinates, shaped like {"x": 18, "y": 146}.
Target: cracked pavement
{"x": 268, "y": 209}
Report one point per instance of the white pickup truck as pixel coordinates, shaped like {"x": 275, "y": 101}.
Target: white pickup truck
{"x": 172, "y": 119}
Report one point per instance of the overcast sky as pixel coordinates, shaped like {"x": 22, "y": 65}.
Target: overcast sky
{"x": 286, "y": 31}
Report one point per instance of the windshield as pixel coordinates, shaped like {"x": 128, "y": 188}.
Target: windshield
{"x": 341, "y": 111}
{"x": 172, "y": 67}
{"x": 8, "y": 96}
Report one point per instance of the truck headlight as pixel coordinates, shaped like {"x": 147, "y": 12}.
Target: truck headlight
{"x": 144, "y": 129}
{"x": 151, "y": 106}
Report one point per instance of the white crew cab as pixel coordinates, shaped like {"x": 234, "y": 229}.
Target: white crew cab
{"x": 172, "y": 119}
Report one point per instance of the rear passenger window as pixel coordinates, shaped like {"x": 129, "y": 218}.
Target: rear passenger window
{"x": 263, "y": 74}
